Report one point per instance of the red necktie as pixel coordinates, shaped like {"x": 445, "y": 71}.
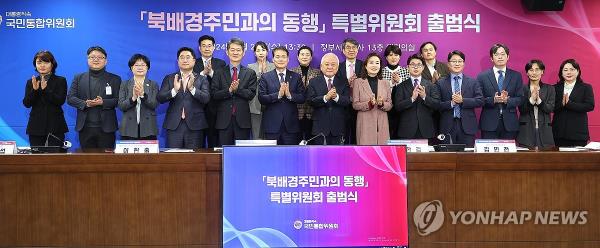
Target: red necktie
{"x": 234, "y": 77}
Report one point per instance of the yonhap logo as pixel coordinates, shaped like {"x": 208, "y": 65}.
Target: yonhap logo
{"x": 429, "y": 217}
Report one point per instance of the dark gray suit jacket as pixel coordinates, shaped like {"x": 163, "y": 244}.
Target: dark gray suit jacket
{"x": 148, "y": 105}
{"x": 79, "y": 92}
{"x": 226, "y": 101}
{"x": 526, "y": 135}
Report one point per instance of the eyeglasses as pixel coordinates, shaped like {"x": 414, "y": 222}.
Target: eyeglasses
{"x": 350, "y": 47}
{"x": 96, "y": 57}
{"x": 185, "y": 57}
{"x": 416, "y": 65}
{"x": 456, "y": 62}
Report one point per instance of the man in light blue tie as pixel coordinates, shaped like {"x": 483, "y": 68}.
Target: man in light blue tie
{"x": 502, "y": 89}
{"x": 460, "y": 95}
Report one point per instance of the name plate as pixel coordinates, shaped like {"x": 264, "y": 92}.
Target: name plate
{"x": 412, "y": 145}
{"x": 255, "y": 142}
{"x": 8, "y": 147}
{"x": 493, "y": 145}
{"x": 136, "y": 146}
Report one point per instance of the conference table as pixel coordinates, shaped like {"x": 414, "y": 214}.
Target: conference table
{"x": 524, "y": 199}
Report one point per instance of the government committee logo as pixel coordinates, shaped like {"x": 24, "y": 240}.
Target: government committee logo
{"x": 429, "y": 217}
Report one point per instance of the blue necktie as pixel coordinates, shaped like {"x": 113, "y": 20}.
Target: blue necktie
{"x": 456, "y": 90}
{"x": 500, "y": 79}
{"x": 281, "y": 79}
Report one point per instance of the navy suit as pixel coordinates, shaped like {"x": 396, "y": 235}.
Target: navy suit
{"x": 494, "y": 125}
{"x": 472, "y": 98}
{"x": 328, "y": 117}
{"x": 226, "y": 102}
{"x": 280, "y": 117}
{"x": 195, "y": 118}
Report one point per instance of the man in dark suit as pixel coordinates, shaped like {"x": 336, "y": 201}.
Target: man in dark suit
{"x": 459, "y": 96}
{"x": 187, "y": 93}
{"x": 329, "y": 96}
{"x": 502, "y": 90}
{"x": 416, "y": 99}
{"x": 279, "y": 91}
{"x": 206, "y": 66}
{"x": 231, "y": 91}
{"x": 95, "y": 94}
{"x": 349, "y": 69}
{"x": 433, "y": 69}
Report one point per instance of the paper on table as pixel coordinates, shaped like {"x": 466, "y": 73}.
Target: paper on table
{"x": 176, "y": 150}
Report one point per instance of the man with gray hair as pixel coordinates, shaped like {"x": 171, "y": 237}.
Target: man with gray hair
{"x": 231, "y": 90}
{"x": 329, "y": 95}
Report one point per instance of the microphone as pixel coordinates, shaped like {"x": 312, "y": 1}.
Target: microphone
{"x": 442, "y": 137}
{"x": 65, "y": 144}
{"x": 305, "y": 142}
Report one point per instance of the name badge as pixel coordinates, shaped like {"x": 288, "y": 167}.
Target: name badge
{"x": 412, "y": 145}
{"x": 494, "y": 145}
{"x": 8, "y": 147}
{"x": 136, "y": 146}
{"x": 108, "y": 89}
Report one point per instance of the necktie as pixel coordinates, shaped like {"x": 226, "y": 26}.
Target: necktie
{"x": 329, "y": 84}
{"x": 352, "y": 72}
{"x": 235, "y": 74}
{"x": 416, "y": 83}
{"x": 281, "y": 79}
{"x": 184, "y": 83}
{"x": 234, "y": 77}
{"x": 456, "y": 90}
{"x": 500, "y": 79}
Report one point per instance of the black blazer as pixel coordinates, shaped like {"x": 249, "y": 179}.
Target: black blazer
{"x": 328, "y": 117}
{"x": 526, "y": 135}
{"x": 225, "y": 101}
{"x": 571, "y": 121}
{"x": 217, "y": 64}
{"x": 80, "y": 91}
{"x": 46, "y": 114}
{"x": 358, "y": 65}
{"x": 418, "y": 113}
{"x": 441, "y": 68}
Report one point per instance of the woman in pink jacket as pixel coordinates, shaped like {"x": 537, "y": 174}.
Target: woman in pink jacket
{"x": 372, "y": 99}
